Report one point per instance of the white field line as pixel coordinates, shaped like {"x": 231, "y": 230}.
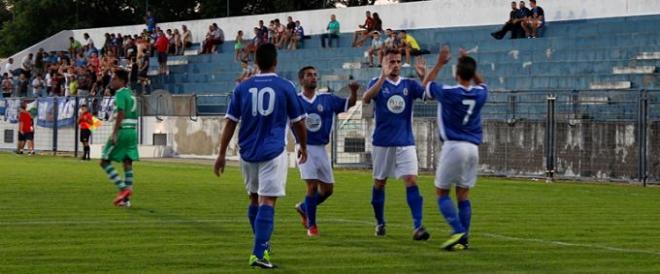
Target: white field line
{"x": 347, "y": 221}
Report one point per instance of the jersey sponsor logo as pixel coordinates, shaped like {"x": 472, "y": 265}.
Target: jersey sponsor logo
{"x": 319, "y": 108}
{"x": 313, "y": 122}
{"x": 396, "y": 104}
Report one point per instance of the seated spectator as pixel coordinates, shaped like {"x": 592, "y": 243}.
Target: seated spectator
{"x": 392, "y": 42}
{"x": 219, "y": 37}
{"x": 8, "y": 65}
{"x": 332, "y": 32}
{"x": 410, "y": 45}
{"x": 23, "y": 84}
{"x": 297, "y": 37}
{"x": 74, "y": 46}
{"x": 535, "y": 21}
{"x": 280, "y": 34}
{"x": 509, "y": 25}
{"x": 247, "y": 72}
{"x": 27, "y": 65}
{"x": 187, "y": 37}
{"x": 214, "y": 38}
{"x": 375, "y": 49}
{"x": 378, "y": 23}
{"x": 38, "y": 86}
{"x": 84, "y": 79}
{"x": 289, "y": 32}
{"x": 7, "y": 86}
{"x": 364, "y": 31}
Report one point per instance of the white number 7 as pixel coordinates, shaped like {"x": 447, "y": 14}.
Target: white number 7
{"x": 470, "y": 104}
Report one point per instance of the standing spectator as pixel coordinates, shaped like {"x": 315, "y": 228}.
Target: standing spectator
{"x": 238, "y": 46}
{"x": 162, "y": 47}
{"x": 134, "y": 71}
{"x": 39, "y": 62}
{"x": 74, "y": 46}
{"x": 376, "y": 49}
{"x": 143, "y": 71}
{"x": 27, "y": 65}
{"x": 263, "y": 33}
{"x": 333, "y": 32}
{"x": 38, "y": 86}
{"x": 84, "y": 82}
{"x": 73, "y": 84}
{"x": 364, "y": 30}
{"x": 7, "y": 86}
{"x": 8, "y": 65}
{"x": 85, "y": 122}
{"x": 271, "y": 32}
{"x": 410, "y": 45}
{"x": 23, "y": 85}
{"x": 49, "y": 82}
{"x": 150, "y": 21}
{"x": 178, "y": 43}
{"x": 25, "y": 130}
{"x": 57, "y": 82}
{"x": 170, "y": 38}
{"x": 187, "y": 37}
{"x": 535, "y": 21}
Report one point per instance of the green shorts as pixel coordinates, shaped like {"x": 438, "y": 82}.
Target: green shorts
{"x": 125, "y": 148}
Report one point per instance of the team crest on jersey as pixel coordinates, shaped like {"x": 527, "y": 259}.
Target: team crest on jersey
{"x": 313, "y": 122}
{"x": 405, "y": 92}
{"x": 319, "y": 108}
{"x": 396, "y": 104}
{"x": 386, "y": 90}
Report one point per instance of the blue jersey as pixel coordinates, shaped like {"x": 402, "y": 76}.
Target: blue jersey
{"x": 393, "y": 110}
{"x": 264, "y": 104}
{"x": 459, "y": 111}
{"x": 321, "y": 111}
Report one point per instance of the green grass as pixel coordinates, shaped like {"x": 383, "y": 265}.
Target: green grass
{"x": 56, "y": 217}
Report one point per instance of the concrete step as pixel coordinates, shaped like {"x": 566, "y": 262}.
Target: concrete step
{"x": 633, "y": 69}
{"x": 611, "y": 85}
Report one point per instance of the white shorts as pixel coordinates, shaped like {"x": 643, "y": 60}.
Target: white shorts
{"x": 457, "y": 165}
{"x": 266, "y": 178}
{"x": 318, "y": 165}
{"x": 394, "y": 162}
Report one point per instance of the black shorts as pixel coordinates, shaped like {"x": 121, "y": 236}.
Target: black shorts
{"x": 25, "y": 136}
{"x": 162, "y": 57}
{"x": 84, "y": 135}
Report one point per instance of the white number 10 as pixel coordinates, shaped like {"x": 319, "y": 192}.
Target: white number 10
{"x": 470, "y": 104}
{"x": 258, "y": 101}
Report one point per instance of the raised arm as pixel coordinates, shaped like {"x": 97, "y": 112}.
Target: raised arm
{"x": 375, "y": 88}
{"x": 443, "y": 59}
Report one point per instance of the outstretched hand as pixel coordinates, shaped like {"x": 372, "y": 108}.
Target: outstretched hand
{"x": 444, "y": 56}
{"x": 386, "y": 69}
{"x": 420, "y": 66}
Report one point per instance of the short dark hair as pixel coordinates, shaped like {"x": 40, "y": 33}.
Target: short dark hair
{"x": 532, "y": 1}
{"x": 404, "y": 31}
{"x": 122, "y": 75}
{"x": 392, "y": 51}
{"x": 466, "y": 68}
{"x": 301, "y": 72}
{"x": 84, "y": 106}
{"x": 266, "y": 56}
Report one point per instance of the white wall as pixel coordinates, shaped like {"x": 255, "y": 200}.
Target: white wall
{"x": 428, "y": 14}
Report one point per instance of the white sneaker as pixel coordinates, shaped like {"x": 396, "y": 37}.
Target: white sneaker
{"x": 405, "y": 65}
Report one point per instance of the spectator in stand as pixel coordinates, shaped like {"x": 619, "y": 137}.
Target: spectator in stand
{"x": 8, "y": 65}
{"x": 73, "y": 83}
{"x": 535, "y": 21}
{"x": 7, "y": 86}
{"x": 143, "y": 71}
{"x": 410, "y": 45}
{"x": 81, "y": 61}
{"x": 208, "y": 41}
{"x": 25, "y": 130}
{"x": 333, "y": 32}
{"x": 364, "y": 31}
{"x": 23, "y": 84}
{"x": 27, "y": 65}
{"x": 289, "y": 32}
{"x": 263, "y": 33}
{"x": 38, "y": 86}
{"x": 134, "y": 70}
{"x": 84, "y": 82}
{"x": 509, "y": 25}
{"x": 74, "y": 46}
{"x": 88, "y": 47}
{"x": 85, "y": 122}
{"x": 218, "y": 37}
{"x": 239, "y": 46}
{"x": 247, "y": 72}
{"x": 376, "y": 49}
{"x": 280, "y": 34}
{"x": 39, "y": 65}
{"x": 178, "y": 43}
{"x": 378, "y": 23}
{"x": 162, "y": 47}
{"x": 170, "y": 38}
{"x": 297, "y": 37}
{"x": 150, "y": 21}
{"x": 57, "y": 82}
{"x": 271, "y": 32}
{"x": 187, "y": 38}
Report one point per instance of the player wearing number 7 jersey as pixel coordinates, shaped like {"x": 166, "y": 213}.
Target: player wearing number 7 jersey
{"x": 264, "y": 104}
{"x": 459, "y": 123}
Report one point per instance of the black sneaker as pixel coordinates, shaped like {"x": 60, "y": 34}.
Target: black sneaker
{"x": 380, "y": 230}
{"x": 261, "y": 263}
{"x": 420, "y": 234}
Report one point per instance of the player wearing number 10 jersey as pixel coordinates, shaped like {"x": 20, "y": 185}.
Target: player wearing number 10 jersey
{"x": 459, "y": 123}
{"x": 264, "y": 104}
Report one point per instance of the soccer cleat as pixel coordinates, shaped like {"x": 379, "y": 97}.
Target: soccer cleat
{"x": 380, "y": 230}
{"x": 420, "y": 234}
{"x": 303, "y": 216}
{"x": 464, "y": 242}
{"x": 261, "y": 263}
{"x": 125, "y": 203}
{"x": 124, "y": 194}
{"x": 313, "y": 231}
{"x": 453, "y": 241}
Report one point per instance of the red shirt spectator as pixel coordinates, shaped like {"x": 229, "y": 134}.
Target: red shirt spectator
{"x": 86, "y": 120}
{"x": 26, "y": 122}
{"x": 162, "y": 43}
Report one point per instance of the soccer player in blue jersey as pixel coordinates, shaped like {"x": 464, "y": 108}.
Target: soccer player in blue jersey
{"x": 321, "y": 109}
{"x": 265, "y": 105}
{"x": 394, "y": 153}
{"x": 459, "y": 124}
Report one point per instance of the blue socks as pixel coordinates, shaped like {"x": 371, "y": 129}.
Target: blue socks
{"x": 415, "y": 202}
{"x": 263, "y": 228}
{"x": 310, "y": 209}
{"x": 320, "y": 198}
{"x": 465, "y": 214}
{"x": 378, "y": 202}
{"x": 449, "y": 212}
{"x": 252, "y": 215}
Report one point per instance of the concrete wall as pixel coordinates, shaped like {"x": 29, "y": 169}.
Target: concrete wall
{"x": 428, "y": 14}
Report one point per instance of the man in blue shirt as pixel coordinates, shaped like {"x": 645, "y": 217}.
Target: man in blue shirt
{"x": 321, "y": 109}
{"x": 459, "y": 125}
{"x": 265, "y": 104}
{"x": 394, "y": 153}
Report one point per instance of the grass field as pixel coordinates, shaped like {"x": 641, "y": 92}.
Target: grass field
{"x": 56, "y": 217}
